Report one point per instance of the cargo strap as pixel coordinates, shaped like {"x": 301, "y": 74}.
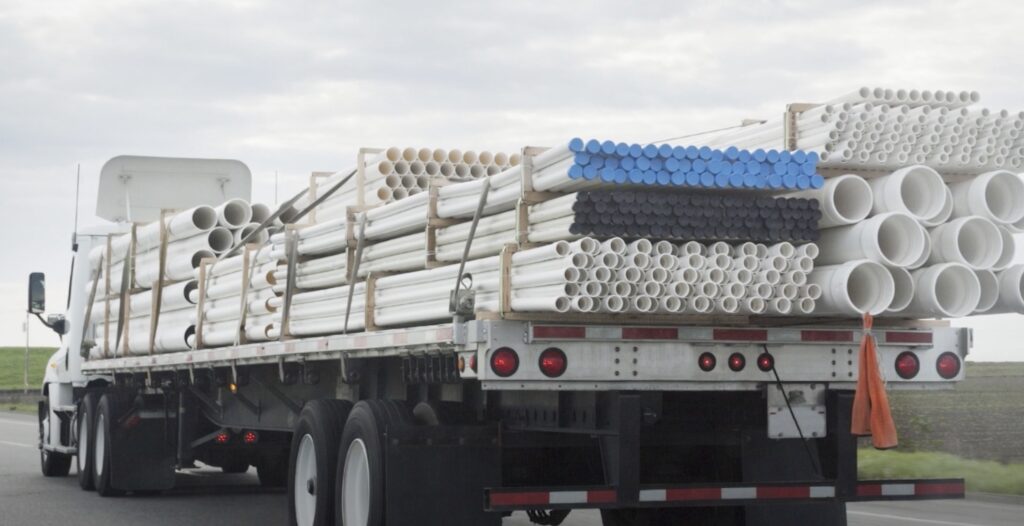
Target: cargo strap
{"x": 872, "y": 415}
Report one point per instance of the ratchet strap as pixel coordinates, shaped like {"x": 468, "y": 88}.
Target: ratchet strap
{"x": 872, "y": 415}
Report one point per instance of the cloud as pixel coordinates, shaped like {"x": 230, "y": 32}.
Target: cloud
{"x": 299, "y": 86}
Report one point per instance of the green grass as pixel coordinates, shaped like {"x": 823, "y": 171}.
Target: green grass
{"x": 12, "y": 366}
{"x": 981, "y": 475}
{"x": 29, "y": 409}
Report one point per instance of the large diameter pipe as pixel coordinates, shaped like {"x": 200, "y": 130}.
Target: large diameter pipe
{"x": 844, "y": 200}
{"x": 893, "y": 239}
{"x": 997, "y": 196}
{"x": 1011, "y": 291}
{"x": 904, "y": 290}
{"x": 989, "y": 291}
{"x": 916, "y": 190}
{"x": 947, "y": 290}
{"x": 853, "y": 288}
{"x": 234, "y": 213}
{"x": 189, "y": 223}
{"x": 973, "y": 241}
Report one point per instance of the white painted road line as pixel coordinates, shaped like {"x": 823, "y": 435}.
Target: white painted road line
{"x": 909, "y": 519}
{"x": 17, "y": 444}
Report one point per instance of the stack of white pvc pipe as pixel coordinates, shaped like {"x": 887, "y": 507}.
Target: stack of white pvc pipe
{"x": 176, "y": 323}
{"x": 908, "y": 245}
{"x": 586, "y": 276}
{"x": 398, "y": 173}
{"x": 224, "y": 304}
{"x": 897, "y": 128}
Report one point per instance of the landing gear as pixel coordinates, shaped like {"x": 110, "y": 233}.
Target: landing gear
{"x": 314, "y": 455}
{"x": 53, "y": 464}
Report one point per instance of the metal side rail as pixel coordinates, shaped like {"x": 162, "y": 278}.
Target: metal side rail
{"x": 394, "y": 342}
{"x": 702, "y": 495}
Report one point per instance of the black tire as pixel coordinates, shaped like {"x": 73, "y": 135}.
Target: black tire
{"x": 235, "y": 467}
{"x": 51, "y": 463}
{"x": 104, "y": 423}
{"x": 86, "y": 434}
{"x": 273, "y": 470}
{"x": 367, "y": 424}
{"x": 321, "y": 421}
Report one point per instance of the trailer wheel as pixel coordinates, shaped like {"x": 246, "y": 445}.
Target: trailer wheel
{"x": 314, "y": 453}
{"x": 53, "y": 464}
{"x": 360, "y": 486}
{"x": 106, "y": 415}
{"x": 86, "y": 435}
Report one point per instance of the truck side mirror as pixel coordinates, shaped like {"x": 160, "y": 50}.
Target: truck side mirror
{"x": 36, "y": 293}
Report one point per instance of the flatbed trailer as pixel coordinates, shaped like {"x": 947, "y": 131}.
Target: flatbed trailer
{"x": 712, "y": 420}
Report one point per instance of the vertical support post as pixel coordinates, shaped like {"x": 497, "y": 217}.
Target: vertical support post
{"x": 158, "y": 285}
{"x": 505, "y": 280}
{"x": 292, "y": 254}
{"x": 26, "y": 351}
{"x": 621, "y": 450}
{"x": 106, "y": 295}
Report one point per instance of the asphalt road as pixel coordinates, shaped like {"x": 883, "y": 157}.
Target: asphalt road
{"x": 208, "y": 497}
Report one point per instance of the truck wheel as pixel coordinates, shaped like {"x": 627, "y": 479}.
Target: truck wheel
{"x": 106, "y": 415}
{"x": 359, "y": 497}
{"x": 235, "y": 467}
{"x": 51, "y": 463}
{"x": 86, "y": 432}
{"x": 314, "y": 453}
{"x": 273, "y": 471}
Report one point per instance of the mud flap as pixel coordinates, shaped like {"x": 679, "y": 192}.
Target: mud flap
{"x": 143, "y": 451}
{"x": 435, "y": 476}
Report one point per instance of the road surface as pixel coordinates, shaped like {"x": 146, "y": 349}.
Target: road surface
{"x": 208, "y": 497}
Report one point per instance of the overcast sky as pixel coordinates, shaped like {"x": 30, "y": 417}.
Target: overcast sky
{"x": 293, "y": 87}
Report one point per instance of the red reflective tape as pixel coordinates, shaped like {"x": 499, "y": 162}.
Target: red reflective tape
{"x": 557, "y": 331}
{"x": 603, "y": 496}
{"x": 826, "y": 336}
{"x": 536, "y": 498}
{"x": 784, "y": 492}
{"x": 939, "y": 488}
{"x": 908, "y": 337}
{"x": 691, "y": 494}
{"x": 650, "y": 333}
{"x": 741, "y": 335}
{"x": 869, "y": 490}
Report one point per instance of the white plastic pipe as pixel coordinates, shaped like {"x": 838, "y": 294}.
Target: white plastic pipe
{"x": 844, "y": 200}
{"x": 989, "y": 283}
{"x": 904, "y": 290}
{"x": 997, "y": 196}
{"x": 853, "y": 288}
{"x": 1011, "y": 290}
{"x": 234, "y": 213}
{"x": 973, "y": 241}
{"x": 894, "y": 239}
{"x": 947, "y": 290}
{"x": 915, "y": 190}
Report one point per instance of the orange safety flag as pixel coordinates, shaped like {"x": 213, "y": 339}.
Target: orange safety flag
{"x": 871, "y": 413}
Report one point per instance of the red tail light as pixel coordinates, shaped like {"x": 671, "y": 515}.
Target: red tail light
{"x": 472, "y": 362}
{"x": 553, "y": 362}
{"x": 907, "y": 365}
{"x": 250, "y": 437}
{"x": 765, "y": 362}
{"x": 504, "y": 362}
{"x": 707, "y": 362}
{"x": 948, "y": 365}
{"x": 737, "y": 362}
{"x": 222, "y": 438}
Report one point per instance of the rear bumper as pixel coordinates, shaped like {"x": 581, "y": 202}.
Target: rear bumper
{"x": 513, "y": 499}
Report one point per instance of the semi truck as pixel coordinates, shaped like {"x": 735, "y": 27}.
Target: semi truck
{"x": 650, "y": 419}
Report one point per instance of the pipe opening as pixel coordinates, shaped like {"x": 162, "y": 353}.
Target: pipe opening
{"x": 869, "y": 288}
{"x": 989, "y": 290}
{"x": 900, "y": 240}
{"x": 853, "y": 199}
{"x": 903, "y": 293}
{"x": 923, "y": 193}
{"x": 204, "y": 217}
{"x": 1004, "y": 197}
{"x": 979, "y": 243}
{"x": 957, "y": 291}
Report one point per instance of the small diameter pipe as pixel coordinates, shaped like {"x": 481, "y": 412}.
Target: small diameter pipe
{"x": 997, "y": 196}
{"x": 915, "y": 190}
{"x": 947, "y": 290}
{"x": 853, "y": 288}
{"x": 973, "y": 241}
{"x": 894, "y": 239}
{"x": 844, "y": 200}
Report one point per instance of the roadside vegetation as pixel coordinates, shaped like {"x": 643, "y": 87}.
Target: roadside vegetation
{"x": 982, "y": 475}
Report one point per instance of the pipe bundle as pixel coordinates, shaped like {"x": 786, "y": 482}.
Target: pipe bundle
{"x": 878, "y": 128}
{"x": 398, "y": 173}
{"x": 237, "y": 299}
{"x": 907, "y": 244}
{"x": 586, "y": 276}
{"x": 176, "y": 323}
{"x": 692, "y": 166}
